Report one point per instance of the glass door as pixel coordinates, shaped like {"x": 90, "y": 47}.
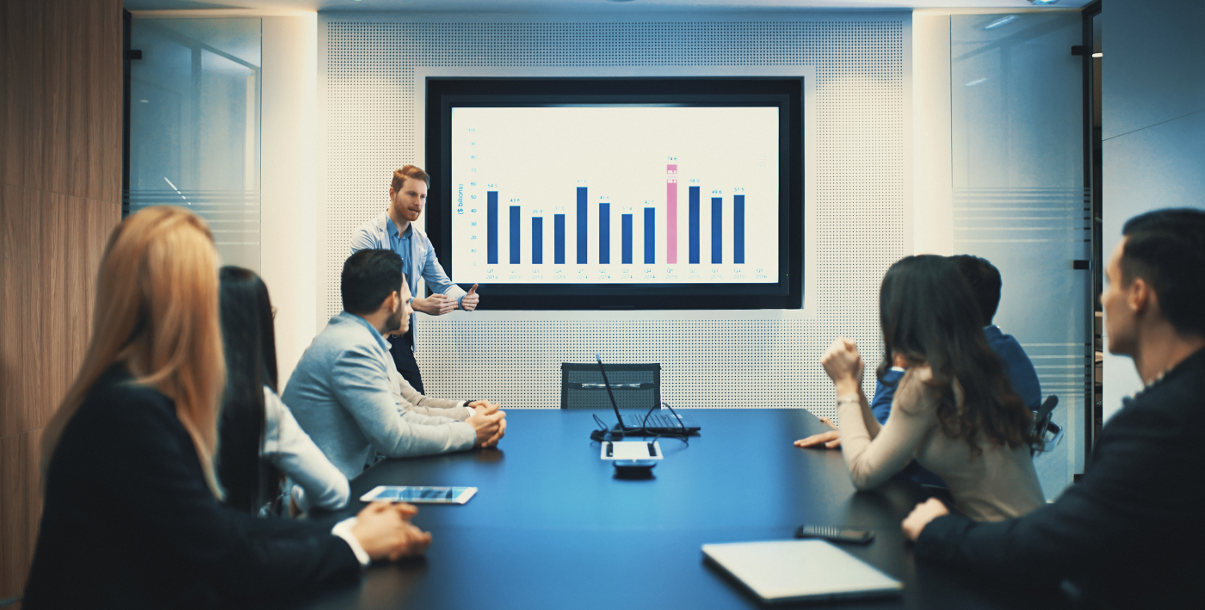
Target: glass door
{"x": 194, "y": 125}
{"x": 1020, "y": 199}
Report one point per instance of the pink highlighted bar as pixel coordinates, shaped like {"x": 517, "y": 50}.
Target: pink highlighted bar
{"x": 671, "y": 216}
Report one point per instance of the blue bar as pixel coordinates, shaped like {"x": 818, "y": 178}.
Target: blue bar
{"x": 738, "y": 229}
{"x": 514, "y": 235}
{"x": 650, "y": 235}
{"x": 558, "y": 239}
{"x": 537, "y": 240}
{"x": 491, "y": 227}
{"x": 717, "y": 230}
{"x": 581, "y": 225}
{"x": 694, "y": 225}
{"x": 626, "y": 256}
{"x": 604, "y": 234}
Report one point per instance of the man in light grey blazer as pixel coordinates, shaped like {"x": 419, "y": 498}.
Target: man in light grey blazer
{"x": 350, "y": 399}
{"x": 394, "y": 229}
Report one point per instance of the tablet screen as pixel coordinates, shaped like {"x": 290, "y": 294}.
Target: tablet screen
{"x": 419, "y": 494}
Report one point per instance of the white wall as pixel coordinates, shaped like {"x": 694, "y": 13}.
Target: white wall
{"x": 931, "y": 145}
{"x": 370, "y": 67}
{"x": 289, "y": 252}
{"x": 1153, "y": 127}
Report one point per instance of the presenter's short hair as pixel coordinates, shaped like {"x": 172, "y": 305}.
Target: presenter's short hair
{"x": 409, "y": 171}
{"x": 368, "y": 277}
{"x": 1167, "y": 249}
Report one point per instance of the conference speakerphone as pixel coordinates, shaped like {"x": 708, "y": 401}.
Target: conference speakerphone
{"x": 631, "y": 450}
{"x": 632, "y": 459}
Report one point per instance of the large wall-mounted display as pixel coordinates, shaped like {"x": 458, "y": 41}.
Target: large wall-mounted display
{"x": 619, "y": 192}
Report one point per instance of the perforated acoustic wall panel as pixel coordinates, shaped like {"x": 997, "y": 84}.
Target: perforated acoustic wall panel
{"x": 856, "y": 183}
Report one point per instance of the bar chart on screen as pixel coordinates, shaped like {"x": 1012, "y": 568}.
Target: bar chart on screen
{"x": 615, "y": 194}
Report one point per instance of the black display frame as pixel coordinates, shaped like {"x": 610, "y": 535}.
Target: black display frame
{"x": 786, "y": 93}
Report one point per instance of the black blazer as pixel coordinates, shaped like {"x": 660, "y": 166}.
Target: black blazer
{"x": 129, "y": 522}
{"x": 1132, "y": 531}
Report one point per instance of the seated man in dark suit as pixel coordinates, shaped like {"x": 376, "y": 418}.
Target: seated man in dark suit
{"x": 1129, "y": 534}
{"x": 985, "y": 282}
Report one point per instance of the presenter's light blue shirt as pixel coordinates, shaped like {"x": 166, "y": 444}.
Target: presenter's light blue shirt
{"x": 418, "y": 256}
{"x": 400, "y": 243}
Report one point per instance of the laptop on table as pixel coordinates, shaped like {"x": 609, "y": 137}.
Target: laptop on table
{"x": 654, "y": 421}
{"x": 779, "y": 571}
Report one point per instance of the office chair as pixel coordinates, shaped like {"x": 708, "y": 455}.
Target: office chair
{"x": 636, "y": 386}
{"x": 1049, "y": 432}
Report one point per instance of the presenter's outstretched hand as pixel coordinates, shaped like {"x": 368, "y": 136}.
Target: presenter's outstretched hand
{"x": 829, "y": 439}
{"x": 470, "y": 300}
{"x": 385, "y": 532}
{"x": 434, "y": 305}
{"x": 920, "y": 516}
{"x": 490, "y": 427}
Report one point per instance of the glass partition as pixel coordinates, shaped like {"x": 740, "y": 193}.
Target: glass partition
{"x": 195, "y": 125}
{"x": 1020, "y": 198}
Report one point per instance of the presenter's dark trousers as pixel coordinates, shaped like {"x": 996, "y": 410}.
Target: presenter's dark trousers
{"x": 402, "y": 350}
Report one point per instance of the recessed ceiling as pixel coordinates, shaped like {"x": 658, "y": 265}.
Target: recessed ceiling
{"x": 616, "y": 6}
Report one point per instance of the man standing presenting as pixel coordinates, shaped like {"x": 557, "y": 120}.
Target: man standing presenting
{"x": 1129, "y": 533}
{"x": 394, "y": 230}
{"x": 347, "y": 395}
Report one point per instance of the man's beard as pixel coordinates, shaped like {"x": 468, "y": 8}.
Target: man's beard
{"x": 394, "y": 321}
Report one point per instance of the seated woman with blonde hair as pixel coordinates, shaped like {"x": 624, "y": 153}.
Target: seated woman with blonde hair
{"x": 954, "y": 411}
{"x": 132, "y": 513}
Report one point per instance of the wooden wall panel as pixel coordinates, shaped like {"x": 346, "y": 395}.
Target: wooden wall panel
{"x": 60, "y": 161}
{"x": 73, "y": 72}
{"x": 14, "y": 268}
{"x": 21, "y": 508}
{"x": 19, "y": 94}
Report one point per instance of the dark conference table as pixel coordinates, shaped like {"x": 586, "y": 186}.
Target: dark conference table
{"x": 553, "y": 527}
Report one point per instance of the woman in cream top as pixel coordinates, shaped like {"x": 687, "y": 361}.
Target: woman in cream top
{"x": 955, "y": 411}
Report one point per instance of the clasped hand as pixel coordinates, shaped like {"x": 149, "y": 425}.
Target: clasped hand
{"x": 488, "y": 421}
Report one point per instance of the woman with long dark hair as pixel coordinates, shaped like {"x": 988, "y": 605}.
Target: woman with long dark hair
{"x": 132, "y": 514}
{"x": 260, "y": 439}
{"x": 954, "y": 412}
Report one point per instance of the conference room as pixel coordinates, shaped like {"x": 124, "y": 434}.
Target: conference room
{"x": 692, "y": 198}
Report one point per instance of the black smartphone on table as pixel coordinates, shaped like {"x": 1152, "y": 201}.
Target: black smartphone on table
{"x": 836, "y": 534}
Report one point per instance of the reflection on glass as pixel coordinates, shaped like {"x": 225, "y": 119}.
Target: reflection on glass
{"x": 1019, "y": 197}
{"x": 195, "y": 125}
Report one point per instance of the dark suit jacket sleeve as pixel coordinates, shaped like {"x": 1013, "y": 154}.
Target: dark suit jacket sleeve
{"x": 156, "y": 476}
{"x": 1108, "y": 518}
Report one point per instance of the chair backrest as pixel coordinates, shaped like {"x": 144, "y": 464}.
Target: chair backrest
{"x": 636, "y": 386}
{"x": 1049, "y": 432}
